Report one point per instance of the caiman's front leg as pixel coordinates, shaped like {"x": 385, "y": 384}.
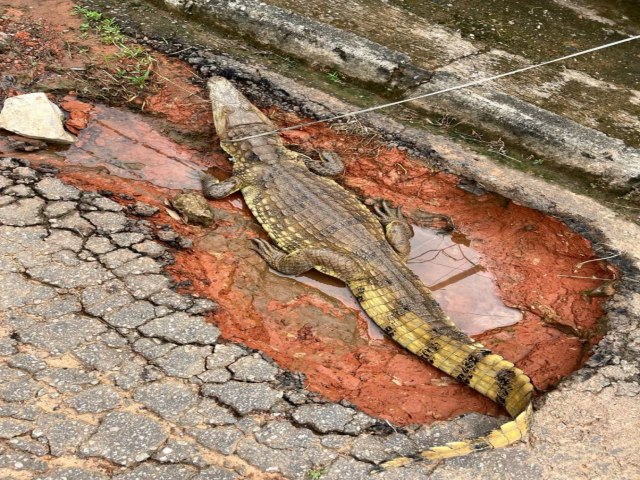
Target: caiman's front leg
{"x": 328, "y": 165}
{"x": 337, "y": 264}
{"x": 213, "y": 188}
{"x": 397, "y": 229}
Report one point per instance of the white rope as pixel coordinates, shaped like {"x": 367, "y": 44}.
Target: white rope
{"x": 450, "y": 89}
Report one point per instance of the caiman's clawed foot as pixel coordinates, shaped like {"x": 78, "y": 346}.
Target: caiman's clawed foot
{"x": 398, "y": 231}
{"x": 214, "y": 189}
{"x": 328, "y": 165}
{"x": 289, "y": 264}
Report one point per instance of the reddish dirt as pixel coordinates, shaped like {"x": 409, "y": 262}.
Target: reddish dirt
{"x": 305, "y": 330}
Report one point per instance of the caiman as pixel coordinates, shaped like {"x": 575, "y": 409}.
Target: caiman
{"x": 316, "y": 223}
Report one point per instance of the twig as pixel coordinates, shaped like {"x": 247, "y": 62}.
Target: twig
{"x": 582, "y": 264}
{"x": 588, "y": 278}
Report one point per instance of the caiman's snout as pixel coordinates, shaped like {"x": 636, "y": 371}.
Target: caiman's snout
{"x": 234, "y": 116}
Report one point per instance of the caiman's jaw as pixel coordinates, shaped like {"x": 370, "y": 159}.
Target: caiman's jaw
{"x": 234, "y": 116}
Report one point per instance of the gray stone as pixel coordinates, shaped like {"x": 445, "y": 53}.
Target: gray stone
{"x": 58, "y": 209}
{"x": 220, "y": 439}
{"x": 5, "y": 182}
{"x": 18, "y": 390}
{"x": 107, "y": 222}
{"x": 125, "y": 439}
{"x": 325, "y": 418}
{"x": 24, "y": 211}
{"x": 143, "y": 286}
{"x": 32, "y": 115}
{"x": 244, "y": 397}
{"x": 53, "y": 188}
{"x": 27, "y": 362}
{"x": 104, "y": 299}
{"x": 66, "y": 380}
{"x": 216, "y": 375}
{"x": 6, "y": 200}
{"x": 10, "y": 427}
{"x": 253, "y": 369}
{"x": 99, "y": 245}
{"x": 151, "y": 348}
{"x": 335, "y": 441}
{"x": 130, "y": 376}
{"x": 131, "y": 315}
{"x": 138, "y": 266}
{"x": 158, "y": 472}
{"x": 181, "y": 328}
{"x": 126, "y": 239}
{"x": 56, "y": 307}
{"x": 210, "y": 413}
{"x": 101, "y": 357}
{"x": 348, "y": 468}
{"x": 72, "y": 473}
{"x": 167, "y": 235}
{"x": 113, "y": 339}
{"x": 117, "y": 258}
{"x": 172, "y": 299}
{"x": 24, "y": 174}
{"x": 180, "y": 452}
{"x": 143, "y": 209}
{"x": 103, "y": 203}
{"x": 28, "y": 445}
{"x": 216, "y": 473}
{"x": 7, "y": 346}
{"x": 203, "y": 305}
{"x": 63, "y": 434}
{"x": 224, "y": 355}
{"x": 70, "y": 276}
{"x": 167, "y": 399}
{"x": 63, "y": 334}
{"x": 184, "y": 361}
{"x": 74, "y": 222}
{"x": 65, "y": 239}
{"x": 282, "y": 434}
{"x": 95, "y": 400}
{"x": 19, "y": 191}
{"x": 20, "y": 461}
{"x": 150, "y": 248}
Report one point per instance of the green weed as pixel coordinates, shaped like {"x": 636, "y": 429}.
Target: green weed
{"x": 316, "y": 473}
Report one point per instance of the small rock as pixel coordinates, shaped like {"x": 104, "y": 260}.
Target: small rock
{"x": 143, "y": 210}
{"x": 166, "y": 399}
{"x": 52, "y": 188}
{"x": 72, "y": 473}
{"x": 95, "y": 400}
{"x": 181, "y": 328}
{"x": 126, "y": 239}
{"x": 224, "y": 355}
{"x": 63, "y": 434}
{"x": 25, "y": 361}
{"x": 253, "y": 369}
{"x": 158, "y": 472}
{"x": 220, "y": 439}
{"x": 150, "y": 248}
{"x": 243, "y": 397}
{"x": 180, "y": 452}
{"x": 107, "y": 222}
{"x": 184, "y": 361}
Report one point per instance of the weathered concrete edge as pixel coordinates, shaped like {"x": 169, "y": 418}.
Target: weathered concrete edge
{"x": 301, "y": 37}
{"x": 560, "y": 140}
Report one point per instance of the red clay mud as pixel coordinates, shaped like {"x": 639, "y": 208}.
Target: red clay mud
{"x": 534, "y": 259}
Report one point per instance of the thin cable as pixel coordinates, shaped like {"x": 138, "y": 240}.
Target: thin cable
{"x": 450, "y": 89}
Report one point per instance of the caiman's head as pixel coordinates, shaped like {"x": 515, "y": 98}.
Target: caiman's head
{"x": 234, "y": 116}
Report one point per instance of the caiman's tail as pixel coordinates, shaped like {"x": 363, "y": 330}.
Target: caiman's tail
{"x": 418, "y": 324}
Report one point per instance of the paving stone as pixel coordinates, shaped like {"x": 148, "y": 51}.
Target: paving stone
{"x": 6, "y": 200}
{"x": 18, "y": 390}
{"x": 63, "y": 434}
{"x": 24, "y": 211}
{"x": 143, "y": 286}
{"x": 184, "y": 361}
{"x": 143, "y": 209}
{"x": 129, "y": 376}
{"x": 63, "y": 334}
{"x": 139, "y": 266}
{"x": 158, "y": 472}
{"x": 210, "y": 413}
{"x": 216, "y": 375}
{"x": 5, "y": 182}
{"x": 126, "y": 239}
{"x": 350, "y": 468}
{"x": 99, "y": 245}
{"x": 325, "y": 418}
{"x": 7, "y": 346}
{"x": 107, "y": 222}
{"x": 167, "y": 235}
{"x": 21, "y": 461}
{"x": 101, "y": 357}
{"x": 20, "y": 412}
{"x": 113, "y": 339}
{"x": 125, "y": 439}
{"x": 64, "y": 239}
{"x": 370, "y": 449}
{"x": 224, "y": 355}
{"x": 27, "y": 362}
{"x": 253, "y": 368}
{"x": 244, "y": 397}
{"x": 10, "y": 427}
{"x": 25, "y": 444}
{"x": 103, "y": 299}
{"x": 282, "y": 434}
{"x": 216, "y": 473}
{"x": 95, "y": 400}
{"x": 172, "y": 299}
{"x": 25, "y": 174}
{"x": 117, "y": 258}
{"x": 180, "y": 452}
{"x": 56, "y": 307}
{"x": 203, "y": 305}
{"x": 151, "y": 348}
{"x": 167, "y": 399}
{"x": 220, "y": 439}
{"x": 335, "y": 441}
{"x": 103, "y": 203}
{"x": 72, "y": 473}
{"x": 19, "y": 191}
{"x": 66, "y": 380}
{"x": 65, "y": 276}
{"x": 181, "y": 328}
{"x": 52, "y": 188}
{"x": 58, "y": 209}
{"x": 132, "y": 315}
{"x": 150, "y": 248}
{"x": 74, "y": 222}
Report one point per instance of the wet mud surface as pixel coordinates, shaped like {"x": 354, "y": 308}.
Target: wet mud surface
{"x": 535, "y": 265}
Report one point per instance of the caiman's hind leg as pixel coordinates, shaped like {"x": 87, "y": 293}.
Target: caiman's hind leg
{"x": 337, "y": 264}
{"x": 397, "y": 230}
{"x": 328, "y": 165}
{"x": 213, "y": 188}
